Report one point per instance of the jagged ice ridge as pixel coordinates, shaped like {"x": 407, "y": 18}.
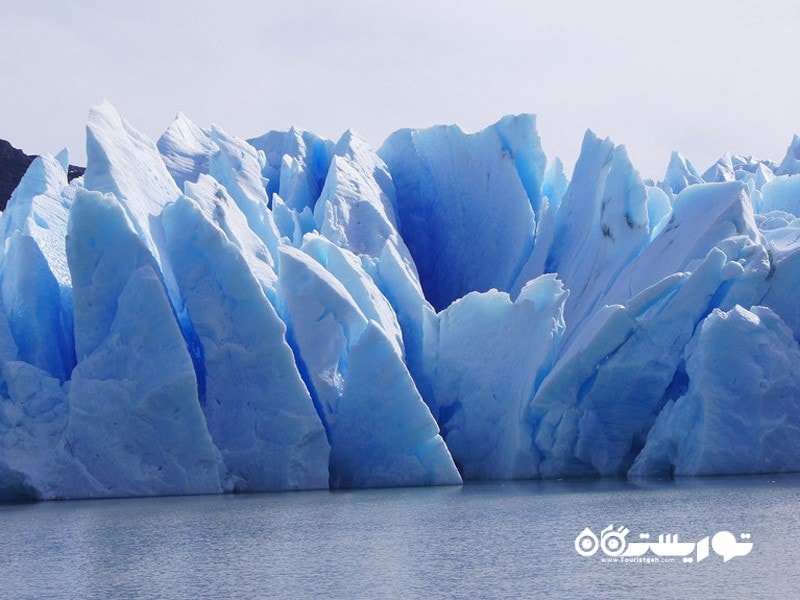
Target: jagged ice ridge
{"x": 208, "y": 314}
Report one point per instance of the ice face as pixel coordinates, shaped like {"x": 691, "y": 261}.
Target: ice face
{"x": 740, "y": 412}
{"x": 220, "y": 209}
{"x": 35, "y": 463}
{"x": 347, "y": 269}
{"x": 33, "y": 303}
{"x": 457, "y": 195}
{"x": 790, "y": 165}
{"x": 602, "y": 225}
{"x": 357, "y": 210}
{"x": 36, "y": 283}
{"x": 590, "y": 415}
{"x": 209, "y": 314}
{"x": 103, "y": 251}
{"x": 357, "y": 207}
{"x": 39, "y": 208}
{"x": 296, "y": 165}
{"x": 702, "y": 218}
{"x": 720, "y": 171}
{"x": 237, "y": 166}
{"x": 680, "y": 174}
{"x": 135, "y": 423}
{"x": 380, "y": 430}
{"x": 185, "y": 149}
{"x": 782, "y": 193}
{"x": 258, "y": 410}
{"x": 124, "y": 162}
{"x": 490, "y": 356}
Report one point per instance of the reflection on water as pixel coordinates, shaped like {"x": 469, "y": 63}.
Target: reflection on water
{"x": 479, "y": 540}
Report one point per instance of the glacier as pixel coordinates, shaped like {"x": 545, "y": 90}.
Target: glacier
{"x": 206, "y": 313}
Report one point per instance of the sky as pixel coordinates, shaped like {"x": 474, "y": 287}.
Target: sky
{"x": 701, "y": 76}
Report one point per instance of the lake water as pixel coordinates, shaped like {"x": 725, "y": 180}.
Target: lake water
{"x": 514, "y": 540}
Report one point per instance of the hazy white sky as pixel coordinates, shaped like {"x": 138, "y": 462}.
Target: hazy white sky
{"x": 701, "y": 76}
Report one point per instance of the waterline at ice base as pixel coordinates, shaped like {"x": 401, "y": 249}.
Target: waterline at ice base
{"x": 207, "y": 314}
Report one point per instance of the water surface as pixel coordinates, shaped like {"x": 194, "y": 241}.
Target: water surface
{"x": 480, "y": 540}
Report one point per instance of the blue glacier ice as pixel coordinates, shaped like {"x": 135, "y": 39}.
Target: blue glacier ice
{"x": 36, "y": 285}
{"x": 135, "y": 424}
{"x": 601, "y": 225}
{"x": 211, "y": 313}
{"x": 219, "y": 208}
{"x": 680, "y": 174}
{"x": 257, "y": 408}
{"x": 380, "y": 430}
{"x": 790, "y": 165}
{"x": 237, "y": 166}
{"x": 490, "y": 355}
{"x": 124, "y": 162}
{"x": 296, "y": 165}
{"x": 458, "y": 194}
{"x": 596, "y": 403}
{"x": 722, "y": 170}
{"x": 743, "y": 390}
{"x": 357, "y": 210}
{"x": 185, "y": 149}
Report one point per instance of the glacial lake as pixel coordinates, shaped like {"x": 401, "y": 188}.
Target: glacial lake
{"x": 508, "y": 540}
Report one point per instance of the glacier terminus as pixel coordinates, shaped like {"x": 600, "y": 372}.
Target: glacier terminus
{"x": 205, "y": 314}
